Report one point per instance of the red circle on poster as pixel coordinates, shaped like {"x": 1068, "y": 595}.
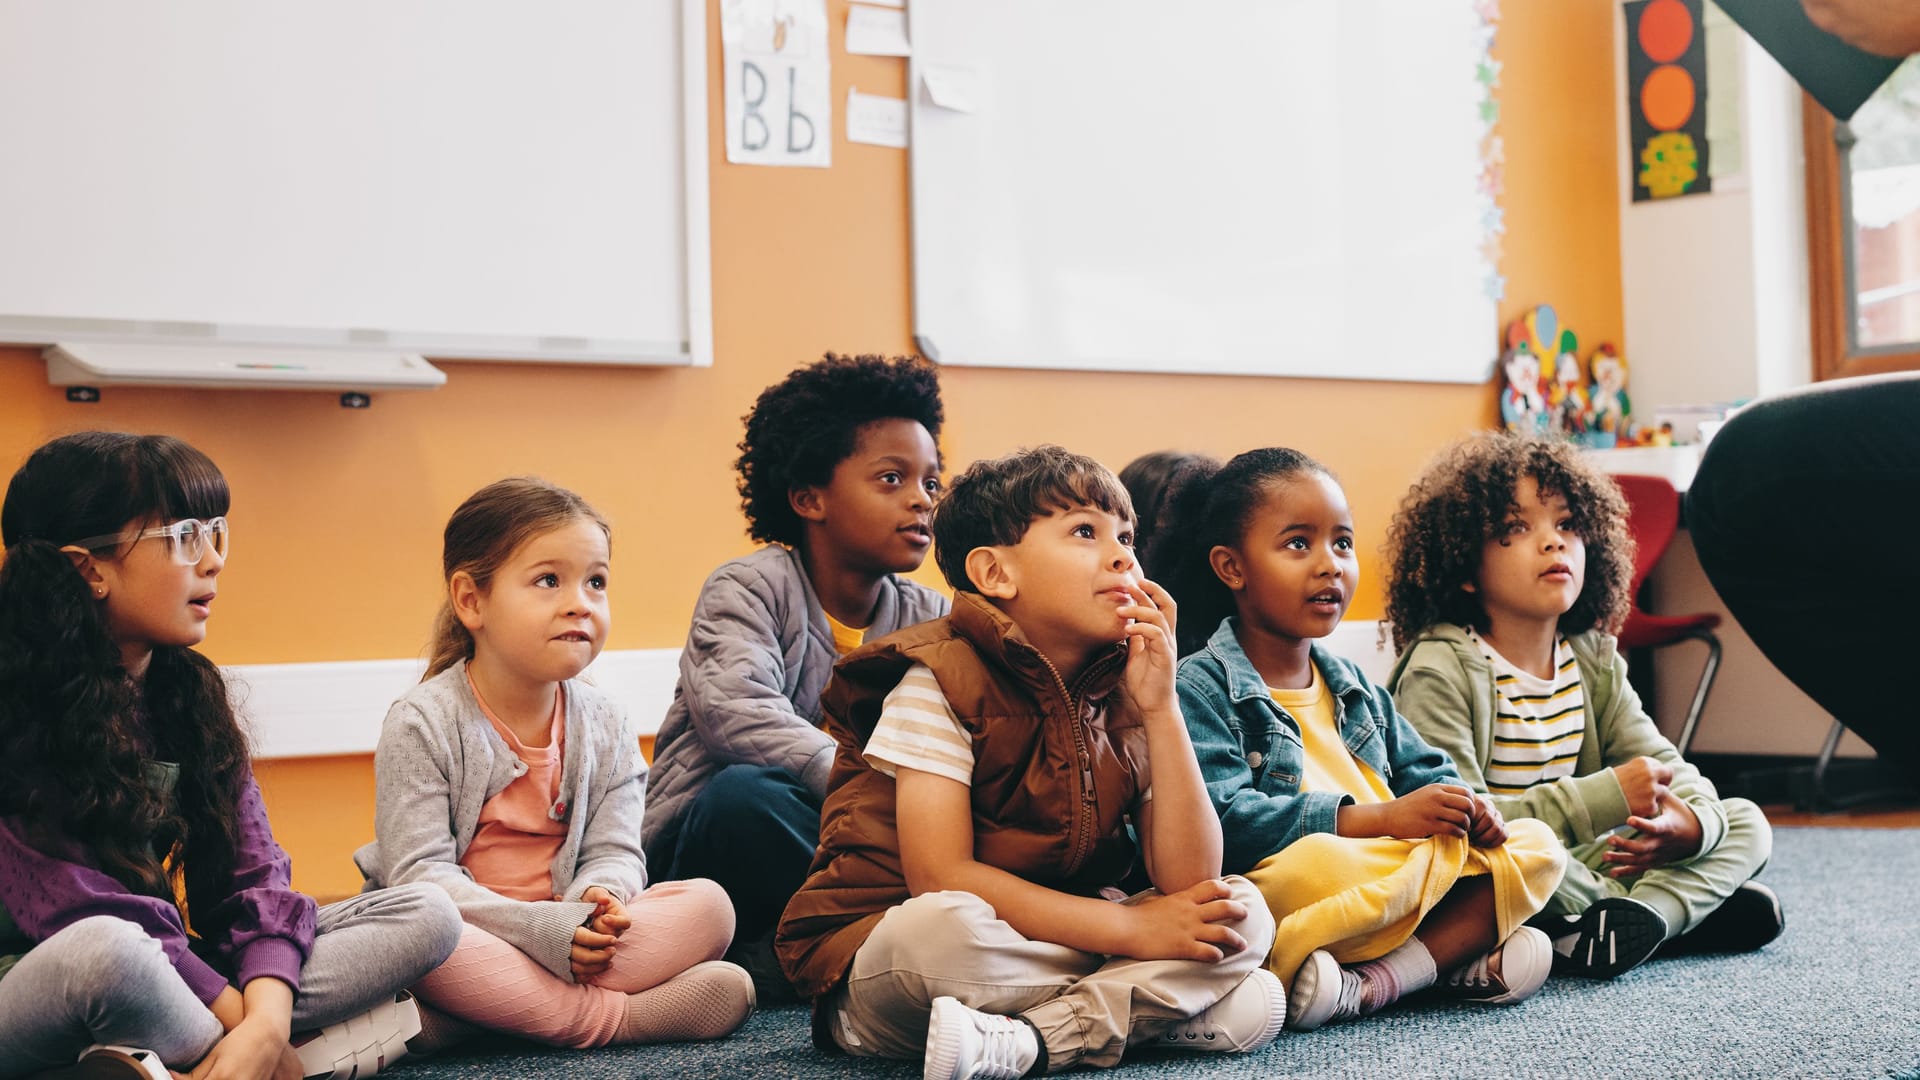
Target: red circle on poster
{"x": 1666, "y": 98}
{"x": 1666, "y": 29}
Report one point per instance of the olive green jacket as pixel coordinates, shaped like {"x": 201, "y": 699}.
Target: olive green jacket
{"x": 1444, "y": 686}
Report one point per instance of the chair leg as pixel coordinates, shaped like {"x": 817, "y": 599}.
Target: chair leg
{"x": 1707, "y": 673}
{"x": 1820, "y": 798}
{"x": 1817, "y": 798}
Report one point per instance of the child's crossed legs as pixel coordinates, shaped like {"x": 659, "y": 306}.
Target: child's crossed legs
{"x": 1086, "y": 1008}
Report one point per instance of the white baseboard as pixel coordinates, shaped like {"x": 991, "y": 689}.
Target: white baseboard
{"x": 1358, "y": 641}
{"x": 323, "y": 709}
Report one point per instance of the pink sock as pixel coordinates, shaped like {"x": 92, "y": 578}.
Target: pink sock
{"x": 1400, "y": 972}
{"x": 491, "y": 984}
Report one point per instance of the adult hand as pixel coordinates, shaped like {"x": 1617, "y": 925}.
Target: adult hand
{"x": 1886, "y": 27}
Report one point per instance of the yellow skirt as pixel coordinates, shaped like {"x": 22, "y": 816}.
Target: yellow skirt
{"x": 1361, "y": 897}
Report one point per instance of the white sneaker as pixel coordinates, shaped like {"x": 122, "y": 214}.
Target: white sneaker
{"x": 1323, "y": 993}
{"x": 361, "y": 1046}
{"x": 963, "y": 1043}
{"x": 117, "y": 1061}
{"x": 1511, "y": 973}
{"x": 1248, "y": 1018}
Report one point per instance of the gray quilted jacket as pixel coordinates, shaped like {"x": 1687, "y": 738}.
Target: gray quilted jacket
{"x": 757, "y": 656}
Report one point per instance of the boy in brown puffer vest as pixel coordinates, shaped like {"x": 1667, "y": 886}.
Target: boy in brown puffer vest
{"x": 962, "y": 903}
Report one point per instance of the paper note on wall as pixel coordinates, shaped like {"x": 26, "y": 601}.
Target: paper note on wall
{"x": 875, "y": 31}
{"x": 949, "y": 86}
{"x": 779, "y": 100}
{"x": 881, "y": 121}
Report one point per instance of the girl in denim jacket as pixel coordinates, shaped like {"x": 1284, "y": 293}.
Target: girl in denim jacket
{"x": 1385, "y": 873}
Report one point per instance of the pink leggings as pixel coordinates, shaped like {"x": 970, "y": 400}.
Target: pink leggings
{"x": 491, "y": 984}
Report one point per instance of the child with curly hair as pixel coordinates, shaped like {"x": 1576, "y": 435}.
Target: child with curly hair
{"x": 1510, "y": 563}
{"x": 1385, "y": 874}
{"x": 839, "y": 471}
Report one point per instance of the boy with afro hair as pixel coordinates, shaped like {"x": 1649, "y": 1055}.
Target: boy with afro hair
{"x": 839, "y": 471}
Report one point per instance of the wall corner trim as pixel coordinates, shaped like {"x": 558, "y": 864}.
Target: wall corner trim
{"x": 336, "y": 707}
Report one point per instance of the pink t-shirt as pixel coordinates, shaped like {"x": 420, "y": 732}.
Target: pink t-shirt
{"x": 517, "y": 839}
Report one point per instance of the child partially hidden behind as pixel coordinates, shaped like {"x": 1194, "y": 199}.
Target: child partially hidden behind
{"x": 1510, "y": 562}
{"x": 961, "y": 907}
{"x": 1385, "y": 873}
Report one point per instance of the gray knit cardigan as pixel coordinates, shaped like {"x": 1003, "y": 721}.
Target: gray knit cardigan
{"x": 437, "y": 764}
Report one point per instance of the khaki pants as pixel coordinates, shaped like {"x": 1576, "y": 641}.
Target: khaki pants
{"x": 1086, "y": 1007}
{"x": 1683, "y": 893}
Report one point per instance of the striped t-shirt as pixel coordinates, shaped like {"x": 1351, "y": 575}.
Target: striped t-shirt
{"x": 1538, "y": 724}
{"x": 917, "y": 729}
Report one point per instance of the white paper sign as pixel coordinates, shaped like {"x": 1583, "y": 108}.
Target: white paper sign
{"x": 881, "y": 121}
{"x": 877, "y": 31}
{"x": 949, "y": 86}
{"x": 779, "y": 96}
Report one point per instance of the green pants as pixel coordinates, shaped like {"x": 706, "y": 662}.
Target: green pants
{"x": 1683, "y": 893}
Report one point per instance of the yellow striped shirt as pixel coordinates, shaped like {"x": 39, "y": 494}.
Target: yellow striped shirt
{"x": 1538, "y": 724}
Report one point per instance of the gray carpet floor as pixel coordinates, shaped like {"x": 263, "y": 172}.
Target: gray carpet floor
{"x": 1837, "y": 996}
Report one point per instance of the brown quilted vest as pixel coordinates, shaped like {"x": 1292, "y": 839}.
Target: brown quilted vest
{"x": 1052, "y": 780}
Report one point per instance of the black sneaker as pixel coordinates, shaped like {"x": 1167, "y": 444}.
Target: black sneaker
{"x": 1748, "y": 919}
{"x": 1611, "y": 937}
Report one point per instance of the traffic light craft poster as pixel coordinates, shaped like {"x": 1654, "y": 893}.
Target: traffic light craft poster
{"x": 1666, "y": 98}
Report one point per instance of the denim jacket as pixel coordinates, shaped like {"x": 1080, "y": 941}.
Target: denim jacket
{"x": 1251, "y": 753}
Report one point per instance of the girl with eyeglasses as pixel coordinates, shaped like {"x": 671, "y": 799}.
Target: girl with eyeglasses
{"x": 147, "y": 920}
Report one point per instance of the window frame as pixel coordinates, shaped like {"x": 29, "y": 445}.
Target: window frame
{"x": 1832, "y": 309}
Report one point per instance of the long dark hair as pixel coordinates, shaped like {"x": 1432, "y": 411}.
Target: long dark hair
{"x": 1211, "y": 505}
{"x": 75, "y": 728}
{"x": 483, "y": 534}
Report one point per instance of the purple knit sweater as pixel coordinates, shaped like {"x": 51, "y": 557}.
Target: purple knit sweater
{"x": 258, "y": 926}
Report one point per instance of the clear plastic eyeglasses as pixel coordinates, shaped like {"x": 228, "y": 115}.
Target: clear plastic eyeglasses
{"x": 187, "y": 538}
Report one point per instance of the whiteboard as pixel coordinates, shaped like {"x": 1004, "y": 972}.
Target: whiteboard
{"x": 464, "y": 178}
{"x": 1278, "y": 187}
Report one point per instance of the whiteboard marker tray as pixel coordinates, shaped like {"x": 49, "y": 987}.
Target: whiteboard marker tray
{"x": 238, "y": 367}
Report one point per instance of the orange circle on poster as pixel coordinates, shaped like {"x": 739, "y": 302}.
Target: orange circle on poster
{"x": 1666, "y": 29}
{"x": 1666, "y": 98}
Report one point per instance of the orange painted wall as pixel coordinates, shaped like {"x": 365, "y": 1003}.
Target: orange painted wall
{"x": 337, "y": 513}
